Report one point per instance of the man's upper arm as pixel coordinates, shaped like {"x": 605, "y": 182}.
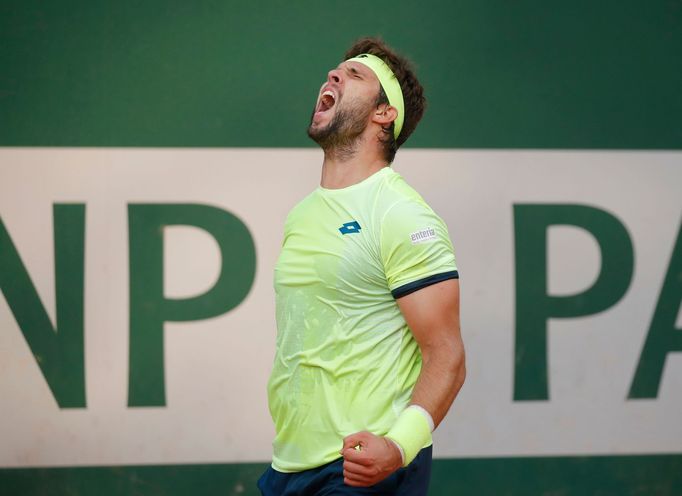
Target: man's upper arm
{"x": 432, "y": 314}
{"x": 415, "y": 248}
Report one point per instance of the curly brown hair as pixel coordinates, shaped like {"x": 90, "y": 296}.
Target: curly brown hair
{"x": 413, "y": 93}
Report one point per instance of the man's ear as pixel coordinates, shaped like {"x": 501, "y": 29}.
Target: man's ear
{"x": 384, "y": 115}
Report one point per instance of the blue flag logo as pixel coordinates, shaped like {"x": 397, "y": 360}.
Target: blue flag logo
{"x": 350, "y": 227}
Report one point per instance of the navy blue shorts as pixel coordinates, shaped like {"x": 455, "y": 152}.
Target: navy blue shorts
{"x": 327, "y": 480}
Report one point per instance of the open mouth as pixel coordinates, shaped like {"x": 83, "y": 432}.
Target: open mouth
{"x": 327, "y": 101}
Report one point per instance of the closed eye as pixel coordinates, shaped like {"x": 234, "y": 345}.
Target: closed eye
{"x": 354, "y": 72}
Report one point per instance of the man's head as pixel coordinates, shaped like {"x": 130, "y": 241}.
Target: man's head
{"x": 353, "y": 98}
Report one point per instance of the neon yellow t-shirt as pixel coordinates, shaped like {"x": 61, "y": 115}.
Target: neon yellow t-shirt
{"x": 346, "y": 360}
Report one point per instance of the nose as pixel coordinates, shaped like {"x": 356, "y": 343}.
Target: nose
{"x": 334, "y": 76}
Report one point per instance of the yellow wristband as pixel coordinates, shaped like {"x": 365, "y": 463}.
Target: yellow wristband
{"x": 411, "y": 432}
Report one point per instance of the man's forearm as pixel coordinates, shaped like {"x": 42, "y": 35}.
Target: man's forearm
{"x": 441, "y": 377}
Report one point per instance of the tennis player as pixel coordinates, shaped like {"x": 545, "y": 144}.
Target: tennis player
{"x": 369, "y": 355}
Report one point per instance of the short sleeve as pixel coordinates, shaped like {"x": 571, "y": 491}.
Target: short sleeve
{"x": 415, "y": 248}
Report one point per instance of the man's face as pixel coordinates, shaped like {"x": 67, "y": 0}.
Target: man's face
{"x": 344, "y": 104}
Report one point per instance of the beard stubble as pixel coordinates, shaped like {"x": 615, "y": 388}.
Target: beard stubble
{"x": 340, "y": 137}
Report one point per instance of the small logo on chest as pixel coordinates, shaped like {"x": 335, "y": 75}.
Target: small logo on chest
{"x": 350, "y": 227}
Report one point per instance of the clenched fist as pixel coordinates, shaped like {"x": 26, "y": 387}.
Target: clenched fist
{"x": 368, "y": 459}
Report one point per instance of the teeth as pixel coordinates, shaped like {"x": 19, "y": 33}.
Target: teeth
{"x": 327, "y": 100}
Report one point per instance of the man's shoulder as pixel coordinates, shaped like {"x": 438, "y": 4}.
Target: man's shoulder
{"x": 306, "y": 204}
{"x": 398, "y": 197}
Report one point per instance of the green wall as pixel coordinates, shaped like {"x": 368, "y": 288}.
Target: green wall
{"x": 659, "y": 475}
{"x": 498, "y": 74}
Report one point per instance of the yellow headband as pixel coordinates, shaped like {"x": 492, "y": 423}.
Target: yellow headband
{"x": 389, "y": 83}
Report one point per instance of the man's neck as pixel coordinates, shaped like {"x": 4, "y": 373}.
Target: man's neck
{"x": 343, "y": 170}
